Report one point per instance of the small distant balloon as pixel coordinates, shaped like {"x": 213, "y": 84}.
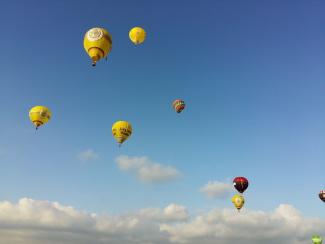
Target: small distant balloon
{"x": 121, "y": 131}
{"x": 178, "y": 105}
{"x": 137, "y": 35}
{"x": 241, "y": 184}
{"x": 97, "y": 43}
{"x": 317, "y": 239}
{"x": 39, "y": 115}
{"x": 238, "y": 201}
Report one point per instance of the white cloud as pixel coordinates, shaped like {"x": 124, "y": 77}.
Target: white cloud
{"x": 172, "y": 212}
{"x": 284, "y": 225}
{"x": 87, "y": 155}
{"x": 41, "y": 222}
{"x": 176, "y": 212}
{"x": 217, "y": 189}
{"x": 146, "y": 170}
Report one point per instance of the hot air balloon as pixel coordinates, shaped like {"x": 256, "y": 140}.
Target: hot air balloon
{"x": 97, "y": 43}
{"x": 137, "y": 35}
{"x": 317, "y": 239}
{"x": 322, "y": 195}
{"x": 178, "y": 105}
{"x": 39, "y": 115}
{"x": 121, "y": 131}
{"x": 238, "y": 201}
{"x": 241, "y": 184}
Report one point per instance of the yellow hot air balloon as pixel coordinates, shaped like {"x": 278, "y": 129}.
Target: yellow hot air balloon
{"x": 121, "y": 131}
{"x": 97, "y": 43}
{"x": 137, "y": 35}
{"x": 238, "y": 201}
{"x": 39, "y": 115}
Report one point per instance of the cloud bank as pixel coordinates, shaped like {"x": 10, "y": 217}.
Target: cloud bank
{"x": 34, "y": 222}
{"x": 147, "y": 170}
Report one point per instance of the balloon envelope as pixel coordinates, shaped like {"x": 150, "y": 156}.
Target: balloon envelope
{"x": 238, "y": 201}
{"x": 179, "y": 105}
{"x": 97, "y": 43}
{"x": 137, "y": 35}
{"x": 39, "y": 115}
{"x": 317, "y": 239}
{"x": 121, "y": 131}
{"x": 241, "y": 184}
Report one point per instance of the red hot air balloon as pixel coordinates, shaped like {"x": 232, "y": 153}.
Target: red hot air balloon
{"x": 322, "y": 195}
{"x": 178, "y": 105}
{"x": 241, "y": 184}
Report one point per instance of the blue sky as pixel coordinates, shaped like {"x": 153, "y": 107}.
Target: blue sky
{"x": 251, "y": 74}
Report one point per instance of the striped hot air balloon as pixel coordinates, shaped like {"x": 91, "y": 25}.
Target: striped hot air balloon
{"x": 178, "y": 105}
